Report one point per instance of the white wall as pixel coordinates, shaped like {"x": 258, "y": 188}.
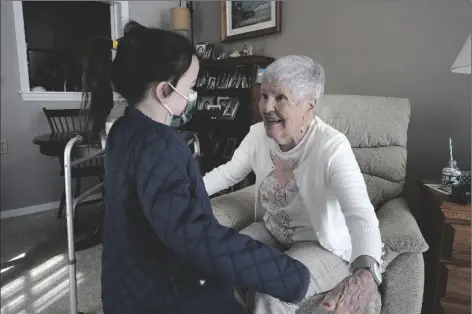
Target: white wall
{"x": 390, "y": 48}
{"x": 27, "y": 177}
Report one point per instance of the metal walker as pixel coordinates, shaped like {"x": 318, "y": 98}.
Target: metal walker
{"x": 71, "y": 203}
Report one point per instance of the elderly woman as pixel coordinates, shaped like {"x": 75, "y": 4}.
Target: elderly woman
{"x": 310, "y": 189}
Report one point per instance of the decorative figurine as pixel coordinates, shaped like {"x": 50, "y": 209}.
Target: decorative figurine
{"x": 451, "y": 174}
{"x": 247, "y": 50}
{"x": 235, "y": 53}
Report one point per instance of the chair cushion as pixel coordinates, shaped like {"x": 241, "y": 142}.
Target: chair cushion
{"x": 377, "y": 129}
{"x": 235, "y": 210}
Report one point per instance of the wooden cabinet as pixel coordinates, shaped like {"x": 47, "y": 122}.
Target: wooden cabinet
{"x": 455, "y": 262}
{"x": 447, "y": 229}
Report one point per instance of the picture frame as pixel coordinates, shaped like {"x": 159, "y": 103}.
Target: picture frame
{"x": 202, "y": 80}
{"x": 201, "y": 49}
{"x": 211, "y": 83}
{"x": 222, "y": 102}
{"x": 259, "y": 72}
{"x": 205, "y": 103}
{"x": 247, "y": 19}
{"x": 231, "y": 109}
{"x": 208, "y": 55}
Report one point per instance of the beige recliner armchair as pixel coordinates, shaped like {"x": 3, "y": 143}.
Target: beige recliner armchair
{"x": 377, "y": 130}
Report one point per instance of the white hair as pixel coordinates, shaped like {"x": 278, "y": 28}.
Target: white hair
{"x": 304, "y": 77}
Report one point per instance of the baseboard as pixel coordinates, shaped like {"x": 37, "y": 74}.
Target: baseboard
{"x": 38, "y": 208}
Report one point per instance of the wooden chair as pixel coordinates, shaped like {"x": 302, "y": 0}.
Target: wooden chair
{"x": 72, "y": 120}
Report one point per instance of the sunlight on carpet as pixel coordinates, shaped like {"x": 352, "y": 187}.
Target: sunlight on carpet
{"x": 40, "y": 288}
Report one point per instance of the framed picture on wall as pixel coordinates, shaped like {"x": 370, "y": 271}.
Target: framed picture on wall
{"x": 247, "y": 19}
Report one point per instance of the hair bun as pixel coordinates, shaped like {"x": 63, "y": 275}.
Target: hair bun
{"x": 133, "y": 27}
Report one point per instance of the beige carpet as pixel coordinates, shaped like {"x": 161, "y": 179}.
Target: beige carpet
{"x": 38, "y": 279}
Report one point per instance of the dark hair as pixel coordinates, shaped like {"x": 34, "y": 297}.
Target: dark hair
{"x": 144, "y": 57}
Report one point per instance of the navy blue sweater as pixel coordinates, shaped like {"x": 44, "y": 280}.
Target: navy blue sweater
{"x": 163, "y": 250}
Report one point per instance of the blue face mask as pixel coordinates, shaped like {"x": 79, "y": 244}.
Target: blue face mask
{"x": 178, "y": 121}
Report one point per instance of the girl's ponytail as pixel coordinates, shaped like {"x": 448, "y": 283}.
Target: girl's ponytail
{"x": 97, "y": 92}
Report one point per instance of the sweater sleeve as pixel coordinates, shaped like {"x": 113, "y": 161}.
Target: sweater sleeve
{"x": 182, "y": 218}
{"x": 350, "y": 189}
{"x": 235, "y": 170}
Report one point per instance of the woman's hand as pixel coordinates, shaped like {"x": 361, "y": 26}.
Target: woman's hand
{"x": 352, "y": 295}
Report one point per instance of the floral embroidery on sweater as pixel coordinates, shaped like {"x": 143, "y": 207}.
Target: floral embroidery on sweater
{"x": 275, "y": 196}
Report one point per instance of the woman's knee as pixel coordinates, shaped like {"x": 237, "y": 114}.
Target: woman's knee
{"x": 327, "y": 270}
{"x": 259, "y": 232}
{"x": 263, "y": 303}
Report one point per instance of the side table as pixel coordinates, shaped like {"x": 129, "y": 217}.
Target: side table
{"x": 447, "y": 229}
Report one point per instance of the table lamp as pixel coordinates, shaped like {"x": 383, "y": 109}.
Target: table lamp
{"x": 182, "y": 19}
{"x": 462, "y": 64}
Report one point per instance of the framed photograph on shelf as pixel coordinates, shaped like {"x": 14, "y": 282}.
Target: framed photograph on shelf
{"x": 222, "y": 102}
{"x": 208, "y": 54}
{"x": 247, "y": 19}
{"x": 231, "y": 109}
{"x": 201, "y": 49}
{"x": 221, "y": 81}
{"x": 202, "y": 80}
{"x": 211, "y": 83}
{"x": 207, "y": 103}
{"x": 203, "y": 103}
{"x": 259, "y": 72}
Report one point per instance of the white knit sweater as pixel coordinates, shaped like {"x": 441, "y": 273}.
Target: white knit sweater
{"x": 329, "y": 181}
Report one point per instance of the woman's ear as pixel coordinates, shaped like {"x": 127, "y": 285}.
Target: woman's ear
{"x": 161, "y": 91}
{"x": 311, "y": 105}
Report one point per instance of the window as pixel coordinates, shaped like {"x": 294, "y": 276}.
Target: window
{"x": 50, "y": 40}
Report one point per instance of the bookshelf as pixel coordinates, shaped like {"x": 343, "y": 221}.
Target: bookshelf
{"x": 227, "y": 105}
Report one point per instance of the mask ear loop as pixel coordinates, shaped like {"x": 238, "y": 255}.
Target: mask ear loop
{"x": 175, "y": 89}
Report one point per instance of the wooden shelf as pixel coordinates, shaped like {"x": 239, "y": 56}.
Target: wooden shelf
{"x": 234, "y": 62}
{"x": 215, "y": 132}
{"x": 222, "y": 92}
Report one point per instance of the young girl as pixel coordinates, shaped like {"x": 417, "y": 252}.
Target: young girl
{"x": 163, "y": 250}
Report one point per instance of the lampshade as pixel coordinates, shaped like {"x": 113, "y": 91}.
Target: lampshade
{"x": 462, "y": 64}
{"x": 180, "y": 18}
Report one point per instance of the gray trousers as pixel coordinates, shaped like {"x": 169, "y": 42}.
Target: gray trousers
{"x": 327, "y": 270}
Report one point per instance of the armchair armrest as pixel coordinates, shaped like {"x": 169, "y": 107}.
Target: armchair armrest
{"x": 235, "y": 210}
{"x": 398, "y": 228}
{"x": 403, "y": 285}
